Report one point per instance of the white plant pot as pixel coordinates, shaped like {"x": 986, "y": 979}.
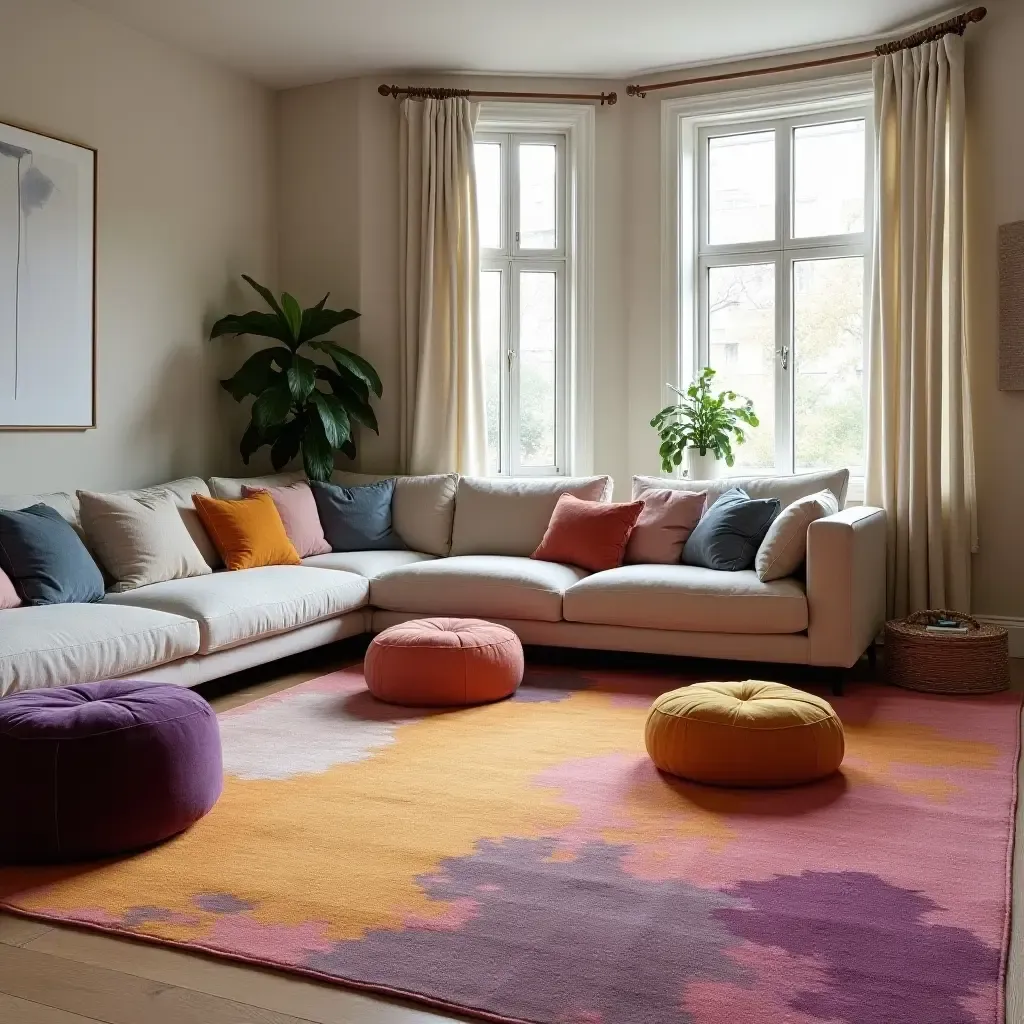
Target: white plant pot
{"x": 701, "y": 467}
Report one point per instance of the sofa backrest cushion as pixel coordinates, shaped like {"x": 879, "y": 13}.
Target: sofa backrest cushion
{"x": 509, "y": 515}
{"x": 786, "y": 489}
{"x": 358, "y": 518}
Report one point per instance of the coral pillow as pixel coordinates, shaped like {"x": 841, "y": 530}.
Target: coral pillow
{"x": 247, "y": 532}
{"x": 297, "y": 506}
{"x": 8, "y": 595}
{"x": 590, "y": 534}
{"x": 664, "y": 525}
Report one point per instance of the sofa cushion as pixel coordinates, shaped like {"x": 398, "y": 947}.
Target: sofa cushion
{"x": 233, "y": 608}
{"x": 687, "y": 598}
{"x": 62, "y": 644}
{"x": 509, "y": 515}
{"x": 590, "y": 534}
{"x": 367, "y": 563}
{"x": 786, "y": 488}
{"x": 479, "y": 586}
{"x": 357, "y": 518}
{"x": 730, "y": 532}
{"x": 297, "y": 507}
{"x": 784, "y": 547}
{"x": 249, "y": 532}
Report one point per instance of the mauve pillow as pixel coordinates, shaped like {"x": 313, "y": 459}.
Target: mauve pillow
{"x": 730, "y": 532}
{"x": 8, "y": 595}
{"x": 45, "y": 559}
{"x": 590, "y": 534}
{"x": 298, "y": 511}
{"x": 357, "y": 518}
{"x": 664, "y": 526}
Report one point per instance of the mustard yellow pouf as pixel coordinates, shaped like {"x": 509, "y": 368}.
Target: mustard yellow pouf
{"x": 744, "y": 734}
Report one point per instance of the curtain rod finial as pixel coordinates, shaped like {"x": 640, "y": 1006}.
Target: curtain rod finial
{"x": 635, "y": 90}
{"x": 388, "y": 90}
{"x": 611, "y": 98}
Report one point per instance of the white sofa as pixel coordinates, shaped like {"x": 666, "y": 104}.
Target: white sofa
{"x": 469, "y": 545}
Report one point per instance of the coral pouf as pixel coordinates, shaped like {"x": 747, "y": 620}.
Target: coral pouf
{"x": 103, "y": 768}
{"x": 444, "y": 663}
{"x": 744, "y": 734}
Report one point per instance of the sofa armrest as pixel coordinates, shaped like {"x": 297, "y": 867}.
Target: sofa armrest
{"x": 845, "y": 584}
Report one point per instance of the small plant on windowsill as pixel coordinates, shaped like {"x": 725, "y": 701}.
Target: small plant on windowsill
{"x": 701, "y": 428}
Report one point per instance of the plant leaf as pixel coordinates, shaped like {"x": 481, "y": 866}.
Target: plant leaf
{"x": 257, "y": 373}
{"x": 317, "y": 453}
{"x": 335, "y": 419}
{"x": 351, "y": 397}
{"x": 255, "y": 322}
{"x": 286, "y": 447}
{"x": 271, "y": 408}
{"x": 318, "y": 321}
{"x": 267, "y": 295}
{"x": 251, "y": 442}
{"x": 308, "y": 316}
{"x": 292, "y": 314}
{"x": 301, "y": 378}
{"x": 350, "y": 362}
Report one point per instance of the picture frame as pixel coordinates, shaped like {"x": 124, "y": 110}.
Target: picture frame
{"x": 47, "y": 282}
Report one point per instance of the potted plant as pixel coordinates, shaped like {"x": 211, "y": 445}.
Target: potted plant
{"x": 301, "y": 404}
{"x": 702, "y": 428}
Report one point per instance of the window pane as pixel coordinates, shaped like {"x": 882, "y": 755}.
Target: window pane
{"x": 490, "y": 337}
{"x": 741, "y": 188}
{"x": 537, "y": 311}
{"x": 488, "y": 193}
{"x": 828, "y": 336}
{"x": 741, "y": 333}
{"x": 538, "y": 191}
{"x": 828, "y": 179}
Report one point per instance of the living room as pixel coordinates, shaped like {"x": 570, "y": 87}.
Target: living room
{"x": 607, "y": 689}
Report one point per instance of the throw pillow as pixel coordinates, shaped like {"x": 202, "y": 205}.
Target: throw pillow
{"x": 247, "y": 532}
{"x": 728, "y": 536}
{"x": 45, "y": 559}
{"x": 8, "y": 595}
{"x": 357, "y": 518}
{"x": 297, "y": 506}
{"x": 666, "y": 522}
{"x": 784, "y": 547}
{"x": 590, "y": 534}
{"x": 139, "y": 540}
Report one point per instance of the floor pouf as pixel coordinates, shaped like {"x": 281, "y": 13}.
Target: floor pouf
{"x": 103, "y": 768}
{"x": 744, "y": 734}
{"x": 444, "y": 663}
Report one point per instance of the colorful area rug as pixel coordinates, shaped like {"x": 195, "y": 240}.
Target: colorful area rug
{"x": 525, "y": 862}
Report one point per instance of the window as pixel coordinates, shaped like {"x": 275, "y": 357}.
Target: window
{"x": 525, "y": 250}
{"x": 772, "y": 265}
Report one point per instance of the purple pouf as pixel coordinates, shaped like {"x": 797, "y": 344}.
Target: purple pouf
{"x": 103, "y": 768}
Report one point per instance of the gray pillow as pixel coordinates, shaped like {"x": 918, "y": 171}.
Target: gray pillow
{"x": 357, "y": 518}
{"x": 45, "y": 559}
{"x": 730, "y": 532}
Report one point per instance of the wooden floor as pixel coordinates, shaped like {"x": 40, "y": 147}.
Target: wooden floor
{"x": 59, "y": 975}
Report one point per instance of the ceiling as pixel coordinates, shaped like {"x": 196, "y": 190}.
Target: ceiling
{"x": 285, "y": 43}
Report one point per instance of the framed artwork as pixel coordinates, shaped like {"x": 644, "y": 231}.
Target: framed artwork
{"x": 47, "y": 282}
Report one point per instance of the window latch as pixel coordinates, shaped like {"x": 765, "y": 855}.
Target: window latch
{"x": 511, "y": 356}
{"x": 783, "y": 354}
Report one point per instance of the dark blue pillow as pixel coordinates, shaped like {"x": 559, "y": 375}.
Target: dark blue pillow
{"x": 357, "y": 518}
{"x": 730, "y": 532}
{"x": 45, "y": 559}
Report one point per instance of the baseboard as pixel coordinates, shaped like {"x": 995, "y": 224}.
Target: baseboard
{"x": 1013, "y": 625}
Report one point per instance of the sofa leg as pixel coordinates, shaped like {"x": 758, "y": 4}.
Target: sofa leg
{"x": 836, "y": 680}
{"x": 873, "y": 658}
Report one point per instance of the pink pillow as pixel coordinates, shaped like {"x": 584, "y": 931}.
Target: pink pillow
{"x": 590, "y": 534}
{"x": 667, "y": 520}
{"x": 297, "y": 507}
{"x": 8, "y": 595}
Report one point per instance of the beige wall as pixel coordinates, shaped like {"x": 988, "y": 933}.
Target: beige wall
{"x": 185, "y": 204}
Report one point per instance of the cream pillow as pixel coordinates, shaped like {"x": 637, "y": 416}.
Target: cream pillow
{"x": 139, "y": 540}
{"x": 784, "y": 547}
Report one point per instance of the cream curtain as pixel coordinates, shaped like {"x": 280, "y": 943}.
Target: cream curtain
{"x": 443, "y": 421}
{"x": 920, "y": 464}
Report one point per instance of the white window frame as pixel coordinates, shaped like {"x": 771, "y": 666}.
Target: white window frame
{"x": 571, "y": 126}
{"x": 686, "y": 125}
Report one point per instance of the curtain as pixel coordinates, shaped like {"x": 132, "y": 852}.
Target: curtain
{"x": 443, "y": 426}
{"x": 920, "y": 461}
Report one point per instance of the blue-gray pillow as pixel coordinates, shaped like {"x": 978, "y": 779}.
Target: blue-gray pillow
{"x": 730, "y": 532}
{"x": 45, "y": 559}
{"x": 357, "y": 518}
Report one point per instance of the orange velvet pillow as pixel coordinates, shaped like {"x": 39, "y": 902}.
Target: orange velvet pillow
{"x": 248, "y": 532}
{"x": 590, "y": 534}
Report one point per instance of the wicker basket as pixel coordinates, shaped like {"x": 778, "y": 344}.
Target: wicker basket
{"x": 975, "y": 662}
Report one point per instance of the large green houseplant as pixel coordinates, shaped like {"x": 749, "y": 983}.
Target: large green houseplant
{"x": 702, "y": 427}
{"x": 302, "y": 404}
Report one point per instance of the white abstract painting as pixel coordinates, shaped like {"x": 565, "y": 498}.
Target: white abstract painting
{"x": 47, "y": 207}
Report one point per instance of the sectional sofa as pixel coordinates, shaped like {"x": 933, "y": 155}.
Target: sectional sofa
{"x": 469, "y": 542}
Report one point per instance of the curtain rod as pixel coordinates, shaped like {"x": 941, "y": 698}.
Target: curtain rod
{"x": 424, "y": 92}
{"x": 925, "y": 35}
